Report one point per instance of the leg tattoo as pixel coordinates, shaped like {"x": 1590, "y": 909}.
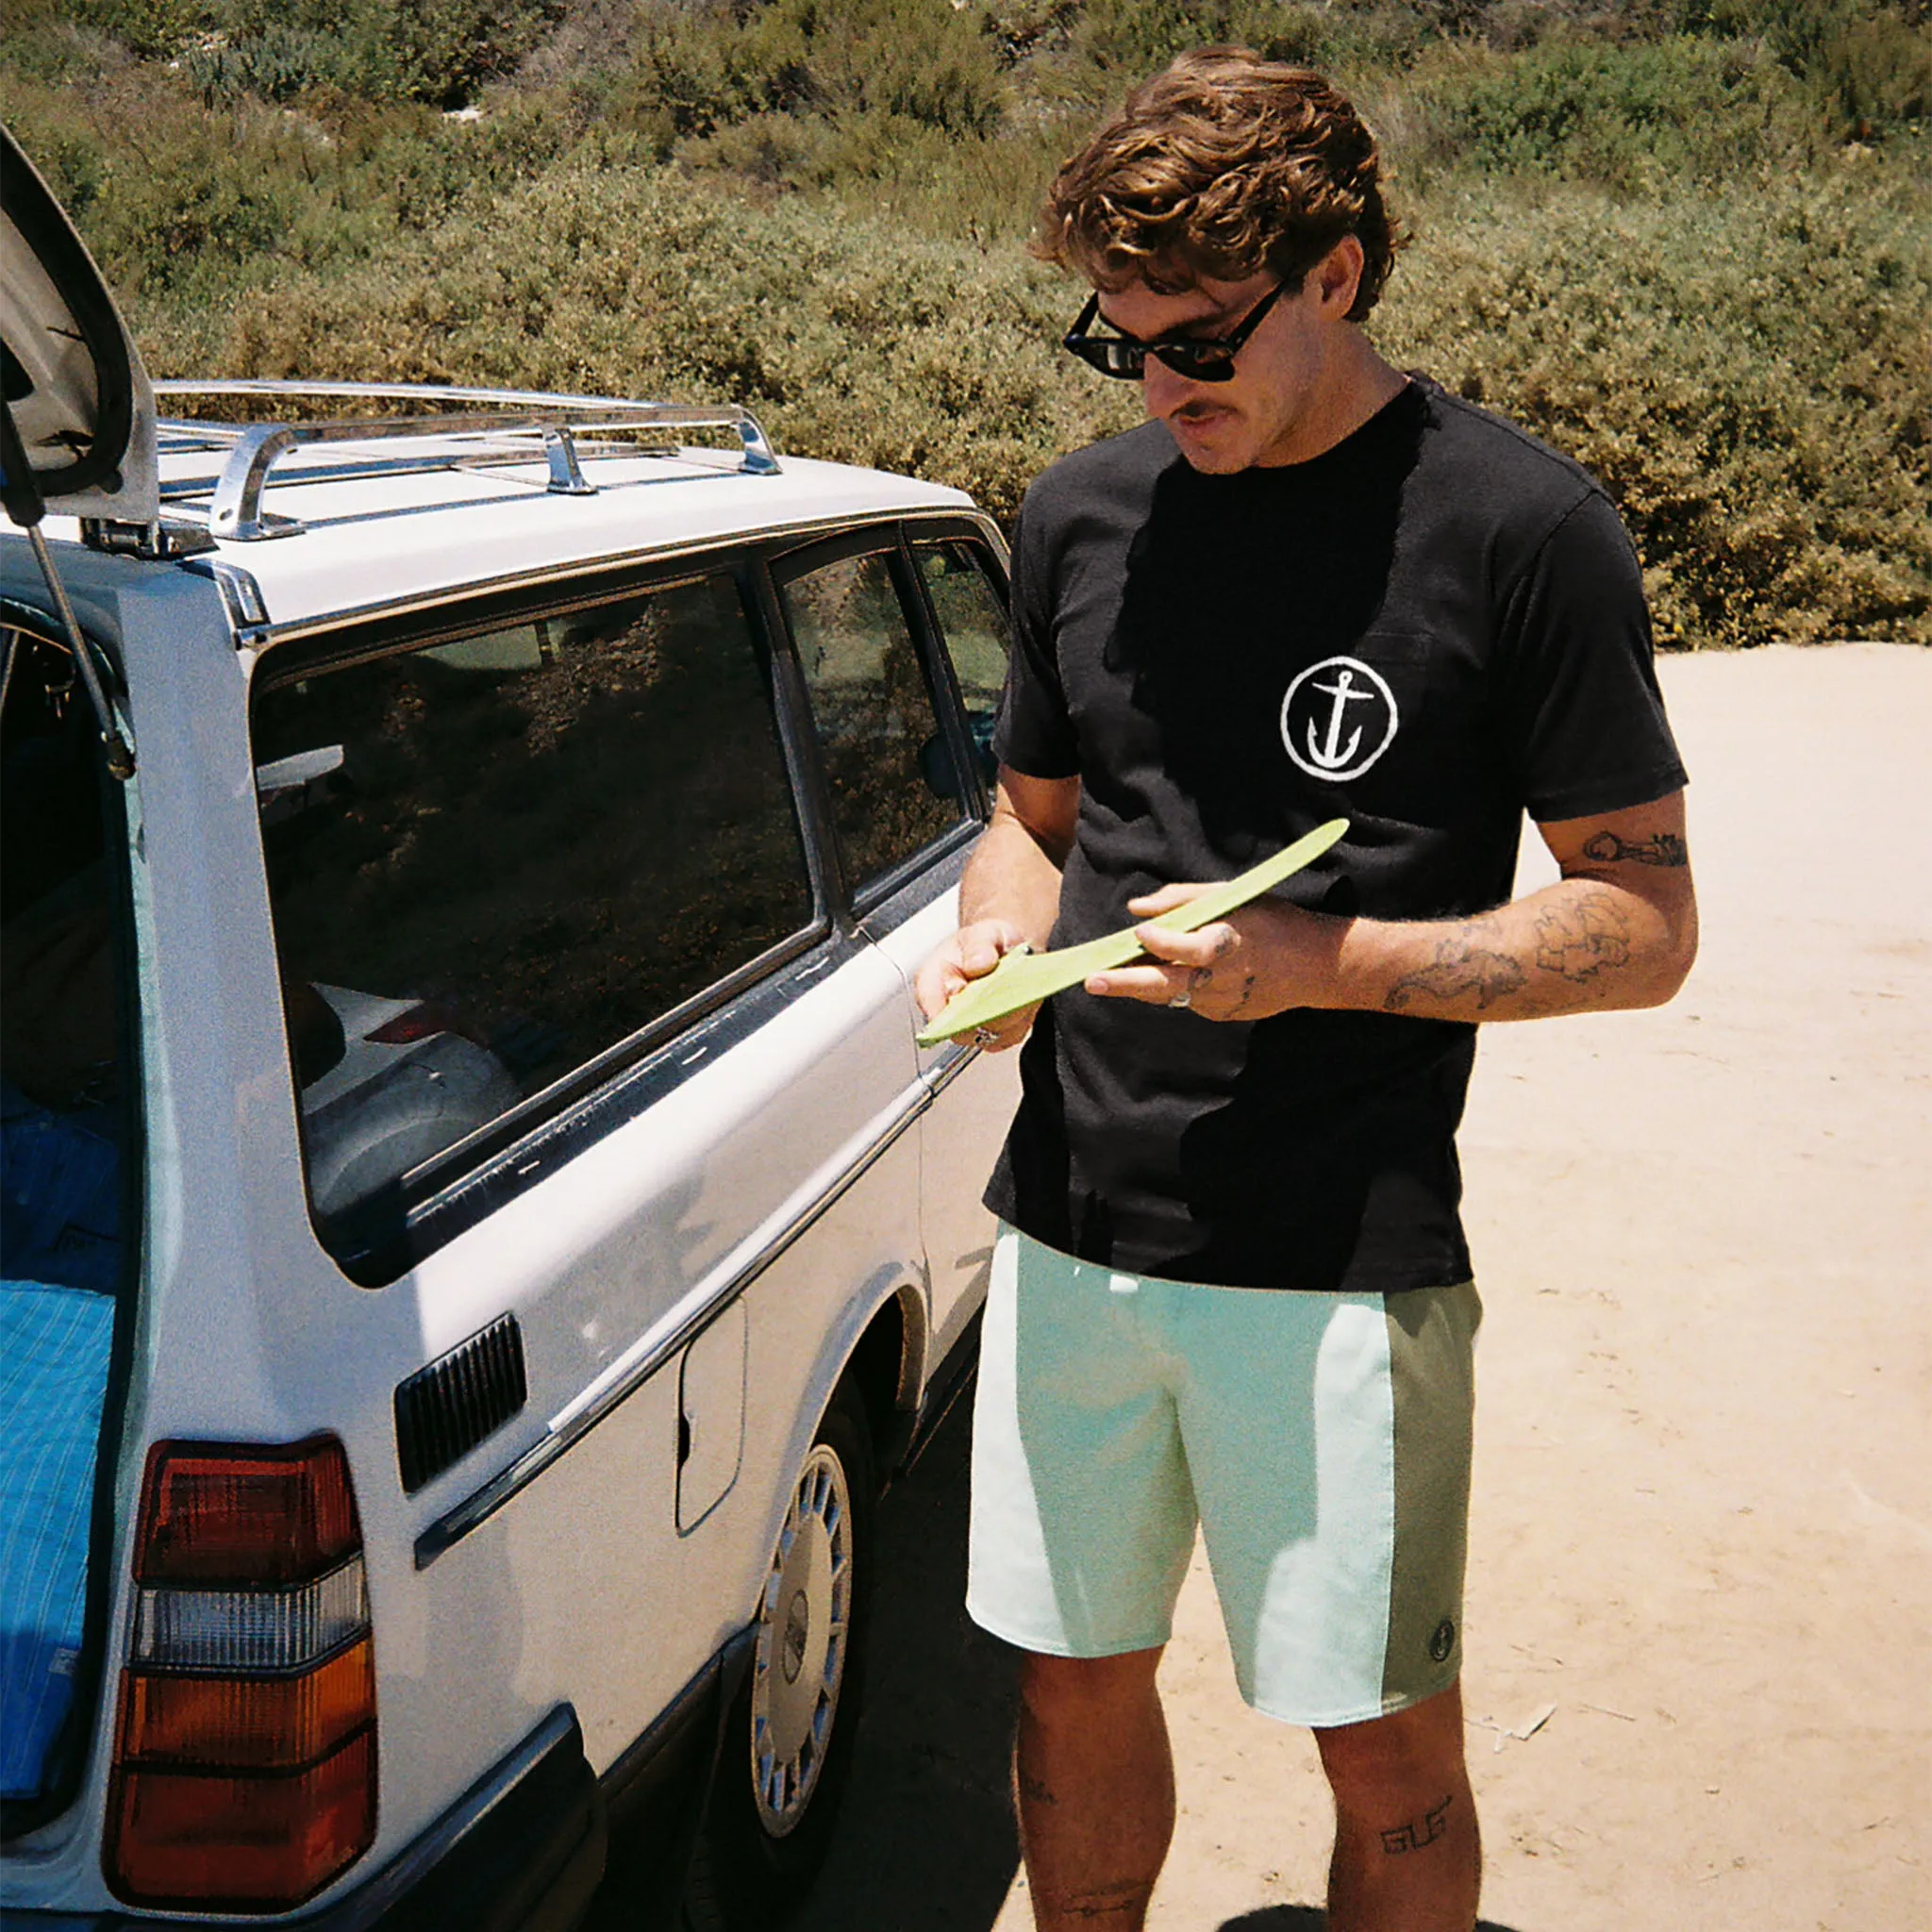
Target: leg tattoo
{"x": 1418, "y": 1832}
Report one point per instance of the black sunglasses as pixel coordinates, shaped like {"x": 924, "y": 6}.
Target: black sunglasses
{"x": 1200, "y": 358}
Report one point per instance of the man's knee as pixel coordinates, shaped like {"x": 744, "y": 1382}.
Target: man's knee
{"x": 1076, "y": 1688}
{"x": 1410, "y": 1759}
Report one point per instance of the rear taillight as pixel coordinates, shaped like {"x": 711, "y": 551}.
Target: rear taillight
{"x": 245, "y": 1769}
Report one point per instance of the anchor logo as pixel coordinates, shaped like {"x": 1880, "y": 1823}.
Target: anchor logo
{"x": 1324, "y": 729}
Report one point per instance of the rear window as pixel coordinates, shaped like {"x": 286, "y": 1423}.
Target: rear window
{"x": 495, "y": 859}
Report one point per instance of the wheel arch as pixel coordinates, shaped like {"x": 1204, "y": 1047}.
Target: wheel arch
{"x": 888, "y": 1364}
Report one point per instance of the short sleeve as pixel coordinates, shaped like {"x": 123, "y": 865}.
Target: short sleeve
{"x": 1583, "y": 717}
{"x": 1034, "y": 733}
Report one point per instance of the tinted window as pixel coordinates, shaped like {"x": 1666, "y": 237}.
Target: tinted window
{"x": 972, "y": 620}
{"x": 890, "y": 776}
{"x": 493, "y": 860}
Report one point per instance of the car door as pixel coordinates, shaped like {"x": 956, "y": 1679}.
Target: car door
{"x": 906, "y": 797}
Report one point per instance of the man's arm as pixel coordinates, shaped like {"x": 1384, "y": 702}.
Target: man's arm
{"x": 1009, "y": 895}
{"x": 1618, "y": 929}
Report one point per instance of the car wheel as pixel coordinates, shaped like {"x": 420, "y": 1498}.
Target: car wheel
{"x": 789, "y": 1738}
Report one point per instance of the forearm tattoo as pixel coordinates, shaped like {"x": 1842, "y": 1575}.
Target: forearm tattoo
{"x": 1578, "y": 940}
{"x": 1459, "y": 968}
{"x": 1418, "y": 1832}
{"x": 1666, "y": 848}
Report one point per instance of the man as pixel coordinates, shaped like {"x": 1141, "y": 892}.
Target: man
{"x": 1232, "y": 1285}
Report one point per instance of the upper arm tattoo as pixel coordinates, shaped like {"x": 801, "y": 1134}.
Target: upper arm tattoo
{"x": 1664, "y": 848}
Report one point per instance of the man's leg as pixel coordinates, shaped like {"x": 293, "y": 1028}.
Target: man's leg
{"x": 1093, "y": 1779}
{"x": 1408, "y": 1857}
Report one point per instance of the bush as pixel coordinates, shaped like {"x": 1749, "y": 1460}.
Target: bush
{"x": 696, "y": 71}
{"x": 1641, "y": 234}
{"x": 850, "y": 340}
{"x": 1749, "y": 372}
{"x": 1582, "y": 110}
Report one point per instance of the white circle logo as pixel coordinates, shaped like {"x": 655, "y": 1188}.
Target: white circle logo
{"x": 1337, "y": 727}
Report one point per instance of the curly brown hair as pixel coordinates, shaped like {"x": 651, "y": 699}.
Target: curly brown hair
{"x": 1223, "y": 164}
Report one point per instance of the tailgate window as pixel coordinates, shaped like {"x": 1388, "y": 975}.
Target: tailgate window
{"x": 68, "y": 1160}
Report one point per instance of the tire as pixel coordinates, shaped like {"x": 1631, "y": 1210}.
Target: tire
{"x": 788, "y": 1738}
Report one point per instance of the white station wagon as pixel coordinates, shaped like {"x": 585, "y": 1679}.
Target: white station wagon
{"x": 478, "y": 1228}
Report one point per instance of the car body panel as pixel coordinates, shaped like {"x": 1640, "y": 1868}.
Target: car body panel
{"x": 776, "y": 1187}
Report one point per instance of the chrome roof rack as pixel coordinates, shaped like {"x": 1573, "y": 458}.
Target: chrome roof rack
{"x": 520, "y": 416}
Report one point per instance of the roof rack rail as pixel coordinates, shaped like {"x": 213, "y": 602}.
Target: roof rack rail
{"x": 254, "y": 448}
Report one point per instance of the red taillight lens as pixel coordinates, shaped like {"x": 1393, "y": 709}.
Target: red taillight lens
{"x": 250, "y": 1516}
{"x": 242, "y": 1841}
{"x": 245, "y": 1771}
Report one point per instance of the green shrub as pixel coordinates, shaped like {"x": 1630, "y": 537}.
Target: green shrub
{"x": 697, "y": 70}
{"x": 1749, "y": 372}
{"x": 1584, "y": 110}
{"x": 1638, "y": 234}
{"x": 851, "y": 340}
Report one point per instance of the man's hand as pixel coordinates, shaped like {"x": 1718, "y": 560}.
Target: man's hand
{"x": 1261, "y": 959}
{"x": 1619, "y": 929}
{"x": 1008, "y": 897}
{"x": 970, "y": 953}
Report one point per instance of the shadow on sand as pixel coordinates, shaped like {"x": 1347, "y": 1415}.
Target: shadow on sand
{"x": 1307, "y": 1919}
{"x": 926, "y": 1833}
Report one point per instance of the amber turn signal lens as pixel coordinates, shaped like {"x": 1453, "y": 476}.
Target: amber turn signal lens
{"x": 235, "y": 1723}
{"x": 243, "y": 1843}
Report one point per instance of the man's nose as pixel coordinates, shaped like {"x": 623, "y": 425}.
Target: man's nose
{"x": 1161, "y": 389}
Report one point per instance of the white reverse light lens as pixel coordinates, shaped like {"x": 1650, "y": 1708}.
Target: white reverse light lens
{"x": 251, "y": 1630}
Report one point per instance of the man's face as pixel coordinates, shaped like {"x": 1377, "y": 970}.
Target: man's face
{"x": 1271, "y": 409}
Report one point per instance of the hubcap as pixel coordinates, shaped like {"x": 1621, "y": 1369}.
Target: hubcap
{"x": 798, "y": 1663}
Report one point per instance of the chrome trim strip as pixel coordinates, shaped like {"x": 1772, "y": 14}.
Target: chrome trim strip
{"x": 664, "y": 1338}
{"x": 949, "y": 1062}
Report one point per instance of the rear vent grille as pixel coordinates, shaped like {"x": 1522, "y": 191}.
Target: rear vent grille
{"x": 445, "y": 1410}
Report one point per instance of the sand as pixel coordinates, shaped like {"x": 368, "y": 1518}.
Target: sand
{"x": 1701, "y": 1568}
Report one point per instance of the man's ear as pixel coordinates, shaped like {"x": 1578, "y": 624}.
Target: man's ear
{"x": 1339, "y": 275}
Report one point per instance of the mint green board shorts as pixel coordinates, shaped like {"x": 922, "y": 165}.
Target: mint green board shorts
{"x": 1321, "y": 1442}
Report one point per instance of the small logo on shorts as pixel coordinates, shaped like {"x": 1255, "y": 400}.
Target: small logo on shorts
{"x": 1443, "y": 1641}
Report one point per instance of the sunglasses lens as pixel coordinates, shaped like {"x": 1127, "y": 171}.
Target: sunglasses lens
{"x": 1111, "y": 357}
{"x": 1198, "y": 361}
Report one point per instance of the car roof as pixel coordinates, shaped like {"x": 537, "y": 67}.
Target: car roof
{"x": 333, "y": 517}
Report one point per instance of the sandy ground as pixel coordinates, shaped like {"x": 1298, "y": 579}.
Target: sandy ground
{"x": 1701, "y": 1570}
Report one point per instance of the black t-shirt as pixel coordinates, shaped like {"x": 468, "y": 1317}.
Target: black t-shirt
{"x": 1426, "y": 629}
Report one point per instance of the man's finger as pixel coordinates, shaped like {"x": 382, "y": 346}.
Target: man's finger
{"x": 1000, "y": 1036}
{"x": 1150, "y": 983}
{"x": 1152, "y": 904}
{"x": 1184, "y": 948}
